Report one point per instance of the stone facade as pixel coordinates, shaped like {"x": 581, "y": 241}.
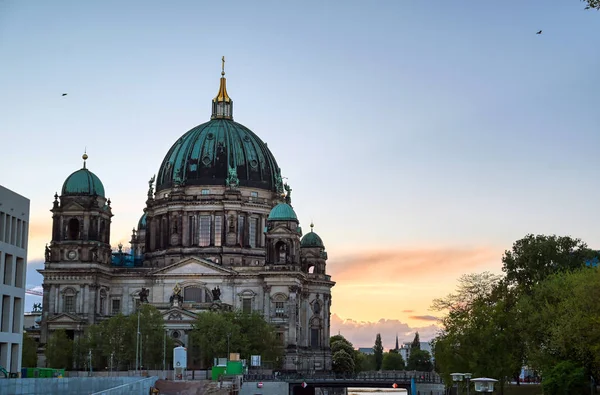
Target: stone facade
{"x": 197, "y": 247}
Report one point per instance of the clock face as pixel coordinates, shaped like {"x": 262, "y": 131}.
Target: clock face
{"x": 72, "y": 255}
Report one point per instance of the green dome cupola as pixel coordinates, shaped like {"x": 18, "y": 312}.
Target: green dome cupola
{"x": 142, "y": 222}
{"x": 220, "y": 152}
{"x": 83, "y": 183}
{"x": 282, "y": 212}
{"x": 311, "y": 239}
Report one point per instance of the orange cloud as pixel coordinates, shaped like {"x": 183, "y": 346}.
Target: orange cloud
{"x": 401, "y": 284}
{"x": 363, "y": 333}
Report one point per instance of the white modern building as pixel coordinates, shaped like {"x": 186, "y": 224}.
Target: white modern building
{"x": 14, "y": 226}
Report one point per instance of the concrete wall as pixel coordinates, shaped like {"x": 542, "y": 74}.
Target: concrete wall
{"x": 138, "y": 387}
{"x": 269, "y": 388}
{"x": 73, "y": 386}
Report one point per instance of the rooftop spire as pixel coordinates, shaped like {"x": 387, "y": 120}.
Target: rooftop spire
{"x": 84, "y": 157}
{"x": 222, "y": 104}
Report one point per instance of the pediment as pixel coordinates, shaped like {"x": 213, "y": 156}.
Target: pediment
{"x": 194, "y": 266}
{"x": 73, "y": 206}
{"x": 177, "y": 314}
{"x": 282, "y": 230}
{"x": 64, "y": 318}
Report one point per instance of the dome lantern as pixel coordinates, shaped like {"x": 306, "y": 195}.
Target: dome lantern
{"x": 222, "y": 105}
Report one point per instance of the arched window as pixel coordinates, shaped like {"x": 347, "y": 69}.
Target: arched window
{"x": 279, "y": 305}
{"x": 281, "y": 252}
{"x": 194, "y": 293}
{"x": 73, "y": 229}
{"x": 69, "y": 300}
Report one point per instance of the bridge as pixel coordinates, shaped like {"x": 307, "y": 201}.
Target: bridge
{"x": 305, "y": 383}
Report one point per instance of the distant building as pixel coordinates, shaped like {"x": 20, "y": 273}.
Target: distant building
{"x": 14, "y": 221}
{"x": 366, "y": 350}
{"x": 404, "y": 350}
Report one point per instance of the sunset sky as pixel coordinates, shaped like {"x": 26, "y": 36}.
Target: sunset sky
{"x": 422, "y": 137}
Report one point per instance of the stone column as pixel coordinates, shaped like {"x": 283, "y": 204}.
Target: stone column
{"x": 92, "y": 302}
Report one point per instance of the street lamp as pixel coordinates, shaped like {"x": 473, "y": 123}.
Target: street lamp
{"x": 468, "y": 377}
{"x": 458, "y": 377}
{"x": 484, "y": 384}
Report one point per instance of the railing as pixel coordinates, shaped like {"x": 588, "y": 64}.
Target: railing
{"x": 396, "y": 376}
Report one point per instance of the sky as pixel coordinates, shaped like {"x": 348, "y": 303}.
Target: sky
{"x": 422, "y": 138}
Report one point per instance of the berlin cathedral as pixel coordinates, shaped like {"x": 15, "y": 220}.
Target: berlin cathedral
{"x": 218, "y": 232}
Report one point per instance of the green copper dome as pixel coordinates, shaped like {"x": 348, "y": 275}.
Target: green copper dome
{"x": 210, "y": 153}
{"x": 282, "y": 212}
{"x": 83, "y": 183}
{"x": 142, "y": 222}
{"x": 311, "y": 239}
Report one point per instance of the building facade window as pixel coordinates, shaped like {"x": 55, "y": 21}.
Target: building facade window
{"x": 205, "y": 192}
{"x": 69, "y": 303}
{"x": 314, "y": 337}
{"x": 279, "y": 309}
{"x": 246, "y": 305}
{"x": 116, "y": 306}
{"x": 103, "y": 299}
{"x": 204, "y": 230}
{"x": 218, "y": 229}
{"x": 252, "y": 234}
{"x": 193, "y": 294}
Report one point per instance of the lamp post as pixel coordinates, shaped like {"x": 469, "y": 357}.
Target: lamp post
{"x": 468, "y": 377}
{"x": 458, "y": 377}
{"x": 484, "y": 384}
{"x": 228, "y": 336}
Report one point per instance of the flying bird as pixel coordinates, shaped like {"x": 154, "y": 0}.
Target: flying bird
{"x": 64, "y": 94}
{"x": 540, "y": 32}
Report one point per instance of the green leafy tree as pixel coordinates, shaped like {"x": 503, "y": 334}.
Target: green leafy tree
{"x": 392, "y": 361}
{"x": 29, "y": 355}
{"x": 592, "y": 4}
{"x": 559, "y": 321}
{"x": 247, "y": 334}
{"x": 342, "y": 362}
{"x": 535, "y": 257}
{"x": 339, "y": 343}
{"x": 152, "y": 333}
{"x": 564, "y": 378}
{"x": 478, "y": 334}
{"x": 59, "y": 351}
{"x": 364, "y": 362}
{"x": 420, "y": 360}
{"x": 378, "y": 351}
{"x": 416, "y": 343}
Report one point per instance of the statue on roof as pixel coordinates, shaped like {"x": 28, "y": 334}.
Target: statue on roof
{"x": 37, "y": 307}
{"x": 279, "y": 184}
{"x": 150, "y": 188}
{"x": 143, "y": 294}
{"x": 216, "y": 292}
{"x": 288, "y": 194}
{"x": 176, "y": 298}
{"x": 232, "y": 180}
{"x": 47, "y": 253}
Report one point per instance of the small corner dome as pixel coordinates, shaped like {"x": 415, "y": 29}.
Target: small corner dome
{"x": 311, "y": 240}
{"x": 142, "y": 222}
{"x": 282, "y": 212}
{"x": 83, "y": 183}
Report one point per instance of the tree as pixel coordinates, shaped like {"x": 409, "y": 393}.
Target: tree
{"x": 559, "y": 321}
{"x": 249, "y": 334}
{"x": 363, "y": 362}
{"x": 416, "y": 343}
{"x": 592, "y": 4}
{"x": 378, "y": 351}
{"x": 564, "y": 378}
{"x": 29, "y": 355}
{"x": 342, "y": 362}
{"x": 535, "y": 257}
{"x": 420, "y": 360}
{"x": 59, "y": 351}
{"x": 392, "y": 361}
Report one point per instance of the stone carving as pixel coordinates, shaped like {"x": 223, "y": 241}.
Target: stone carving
{"x": 176, "y": 315}
{"x": 294, "y": 288}
{"x": 143, "y": 294}
{"x": 177, "y": 177}
{"x": 176, "y": 298}
{"x": 47, "y": 253}
{"x": 94, "y": 254}
{"x": 232, "y": 180}
{"x": 150, "y": 188}
{"x": 279, "y": 184}
{"x": 288, "y": 194}
{"x": 216, "y": 292}
{"x": 37, "y": 307}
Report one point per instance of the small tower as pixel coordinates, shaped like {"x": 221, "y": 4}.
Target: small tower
{"x": 314, "y": 256}
{"x": 222, "y": 105}
{"x": 81, "y": 218}
{"x": 283, "y": 236}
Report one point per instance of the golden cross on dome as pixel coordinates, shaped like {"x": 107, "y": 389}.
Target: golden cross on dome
{"x": 223, "y": 65}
